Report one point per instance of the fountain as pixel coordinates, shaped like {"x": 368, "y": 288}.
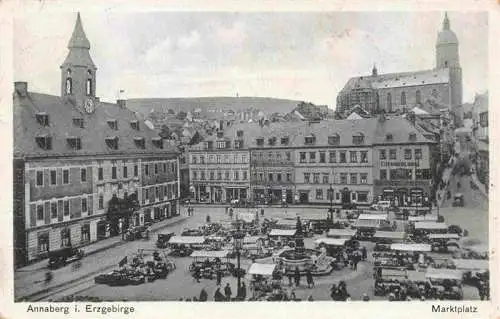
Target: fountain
{"x": 303, "y": 259}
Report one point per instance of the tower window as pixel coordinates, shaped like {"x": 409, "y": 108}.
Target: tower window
{"x": 403, "y": 98}
{"x": 89, "y": 87}
{"x": 68, "y": 73}
{"x": 69, "y": 86}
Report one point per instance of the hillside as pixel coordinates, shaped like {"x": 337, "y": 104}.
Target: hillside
{"x": 266, "y": 105}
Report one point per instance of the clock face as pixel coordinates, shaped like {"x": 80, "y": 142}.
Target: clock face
{"x": 89, "y": 105}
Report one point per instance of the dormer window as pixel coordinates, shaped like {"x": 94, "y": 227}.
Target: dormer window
{"x": 412, "y": 136}
{"x": 42, "y": 118}
{"x": 238, "y": 144}
{"x": 220, "y": 134}
{"x": 44, "y": 142}
{"x": 260, "y": 141}
{"x": 285, "y": 140}
{"x": 358, "y": 139}
{"x": 228, "y": 144}
{"x": 310, "y": 140}
{"x": 239, "y": 133}
{"x": 210, "y": 145}
{"x": 134, "y": 125}
{"x": 272, "y": 141}
{"x": 334, "y": 140}
{"x": 140, "y": 142}
{"x": 158, "y": 142}
{"x": 221, "y": 145}
{"x": 112, "y": 142}
{"x": 78, "y": 122}
{"x": 388, "y": 137}
{"x": 74, "y": 143}
{"x": 113, "y": 124}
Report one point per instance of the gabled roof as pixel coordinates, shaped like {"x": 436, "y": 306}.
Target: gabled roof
{"x": 61, "y": 113}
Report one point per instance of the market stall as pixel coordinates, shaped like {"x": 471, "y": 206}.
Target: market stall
{"x": 264, "y": 281}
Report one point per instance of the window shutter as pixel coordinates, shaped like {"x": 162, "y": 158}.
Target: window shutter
{"x": 60, "y": 210}
{"x": 46, "y": 211}
{"x": 59, "y": 176}
{"x": 32, "y": 215}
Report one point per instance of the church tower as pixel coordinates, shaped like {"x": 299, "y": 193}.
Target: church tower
{"x": 447, "y": 57}
{"x": 78, "y": 72}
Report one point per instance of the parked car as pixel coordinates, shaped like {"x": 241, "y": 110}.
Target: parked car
{"x": 63, "y": 256}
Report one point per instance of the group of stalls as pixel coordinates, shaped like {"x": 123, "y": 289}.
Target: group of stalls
{"x": 265, "y": 282}
{"x": 208, "y": 263}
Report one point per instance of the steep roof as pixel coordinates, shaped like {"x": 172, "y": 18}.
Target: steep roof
{"x": 61, "y": 113}
{"x": 79, "y": 47}
{"x": 78, "y": 38}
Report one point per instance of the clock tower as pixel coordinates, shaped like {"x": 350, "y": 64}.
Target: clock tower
{"x": 78, "y": 71}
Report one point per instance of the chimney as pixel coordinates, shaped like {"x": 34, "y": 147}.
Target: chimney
{"x": 121, "y": 103}
{"x": 21, "y": 88}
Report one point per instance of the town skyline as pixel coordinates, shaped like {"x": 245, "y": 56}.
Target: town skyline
{"x": 172, "y": 54}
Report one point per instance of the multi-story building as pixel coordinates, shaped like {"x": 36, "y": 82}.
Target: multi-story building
{"x": 219, "y": 167}
{"x": 481, "y": 136}
{"x": 74, "y": 155}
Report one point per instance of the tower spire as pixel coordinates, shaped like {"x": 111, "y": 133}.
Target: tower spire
{"x": 446, "y": 22}
{"x": 78, "y": 38}
{"x": 374, "y": 70}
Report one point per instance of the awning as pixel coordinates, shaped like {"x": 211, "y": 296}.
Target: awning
{"x": 283, "y": 232}
{"x": 187, "y": 240}
{"x": 443, "y": 273}
{"x": 443, "y": 236}
{"x": 210, "y": 253}
{"x": 341, "y": 233}
{"x": 428, "y": 218}
{"x": 261, "y": 269}
{"x": 389, "y": 234}
{"x": 479, "y": 248}
{"x": 287, "y": 222}
{"x": 251, "y": 239}
{"x": 430, "y": 225}
{"x": 471, "y": 264}
{"x": 373, "y": 217}
{"x": 366, "y": 223}
{"x": 411, "y": 247}
{"x": 331, "y": 241}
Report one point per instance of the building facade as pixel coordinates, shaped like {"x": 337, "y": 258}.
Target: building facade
{"x": 399, "y": 92}
{"x": 74, "y": 155}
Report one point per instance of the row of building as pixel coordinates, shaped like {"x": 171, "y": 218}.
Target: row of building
{"x": 343, "y": 161}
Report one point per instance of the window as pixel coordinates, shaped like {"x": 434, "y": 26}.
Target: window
{"x": 43, "y": 242}
{"x": 66, "y": 208}
{"x": 312, "y": 157}
{"x": 157, "y": 142}
{"x": 326, "y": 178}
{"x": 140, "y": 142}
{"x": 113, "y": 124}
{"x": 195, "y": 175}
{"x": 164, "y": 167}
{"x": 302, "y": 157}
{"x": 423, "y": 174}
{"x": 412, "y": 137}
{"x": 288, "y": 156}
{"x": 88, "y": 87}
{"x": 211, "y": 159}
{"x": 392, "y": 154}
{"x": 39, "y": 212}
{"x": 270, "y": 177}
{"x": 100, "y": 174}
{"x": 418, "y": 153}
{"x": 418, "y": 97}
{"x": 343, "y": 157}
{"x": 125, "y": 171}
{"x": 271, "y": 141}
{"x": 83, "y": 175}
{"x": 221, "y": 144}
{"x": 245, "y": 176}
{"x": 44, "y": 142}
{"x": 193, "y": 159}
{"x": 74, "y": 143}
{"x": 319, "y": 194}
{"x": 307, "y": 177}
{"x": 69, "y": 86}
{"x": 156, "y": 168}
{"x": 53, "y": 210}
{"x": 210, "y": 145}
{"x": 278, "y": 156}
{"x": 134, "y": 125}
{"x": 136, "y": 170}
{"x": 382, "y": 155}
{"x": 101, "y": 202}
{"x": 316, "y": 178}
{"x": 65, "y": 176}
{"x": 309, "y": 140}
{"x": 112, "y": 142}
{"x": 332, "y": 157}
{"x": 39, "y": 178}
{"x": 362, "y": 197}
{"x": 363, "y": 178}
{"x": 334, "y": 140}
{"x": 354, "y": 178}
{"x": 78, "y": 122}
{"x": 388, "y": 137}
{"x": 285, "y": 140}
{"x": 53, "y": 177}
{"x": 236, "y": 175}
{"x": 65, "y": 237}
{"x": 288, "y": 177}
{"x": 86, "y": 233}
{"x": 389, "y": 102}
{"x": 364, "y": 157}
{"x": 408, "y": 154}
{"x": 354, "y": 156}
{"x": 113, "y": 172}
{"x": 212, "y": 176}
{"x": 84, "y": 205}
{"x": 219, "y": 176}
{"x": 261, "y": 176}
{"x": 202, "y": 175}
{"x": 244, "y": 159}
{"x": 483, "y": 119}
{"x": 322, "y": 157}
{"x": 403, "y": 98}
{"x": 343, "y": 178}
{"x": 358, "y": 139}
{"x": 42, "y": 118}
{"x": 239, "y": 133}
{"x": 238, "y": 144}
{"x": 401, "y": 174}
{"x": 383, "y": 174}
{"x": 146, "y": 169}
{"x": 260, "y": 142}
{"x": 227, "y": 175}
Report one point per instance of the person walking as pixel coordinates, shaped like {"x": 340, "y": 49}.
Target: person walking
{"x": 227, "y": 292}
{"x": 310, "y": 279}
{"x": 219, "y": 277}
{"x": 290, "y": 278}
{"x": 203, "y": 295}
{"x": 197, "y": 274}
{"x": 364, "y": 252}
{"x": 297, "y": 277}
{"x": 243, "y": 291}
{"x": 218, "y": 296}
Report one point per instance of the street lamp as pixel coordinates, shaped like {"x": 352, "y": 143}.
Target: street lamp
{"x": 331, "y": 201}
{"x": 238, "y": 245}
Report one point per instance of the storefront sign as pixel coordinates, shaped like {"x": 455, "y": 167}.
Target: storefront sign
{"x": 399, "y": 164}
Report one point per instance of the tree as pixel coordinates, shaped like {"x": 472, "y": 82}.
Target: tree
{"x": 164, "y": 132}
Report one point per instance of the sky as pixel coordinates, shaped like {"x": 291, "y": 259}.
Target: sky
{"x": 305, "y": 56}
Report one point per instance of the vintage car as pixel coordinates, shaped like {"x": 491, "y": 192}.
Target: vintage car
{"x": 163, "y": 239}
{"x": 63, "y": 256}
{"x": 458, "y": 200}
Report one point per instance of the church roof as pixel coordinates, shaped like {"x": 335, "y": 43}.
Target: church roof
{"x": 96, "y": 128}
{"x": 446, "y": 36}
{"x": 78, "y": 38}
{"x": 79, "y": 47}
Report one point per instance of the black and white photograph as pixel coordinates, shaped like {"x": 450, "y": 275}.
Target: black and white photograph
{"x": 224, "y": 156}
